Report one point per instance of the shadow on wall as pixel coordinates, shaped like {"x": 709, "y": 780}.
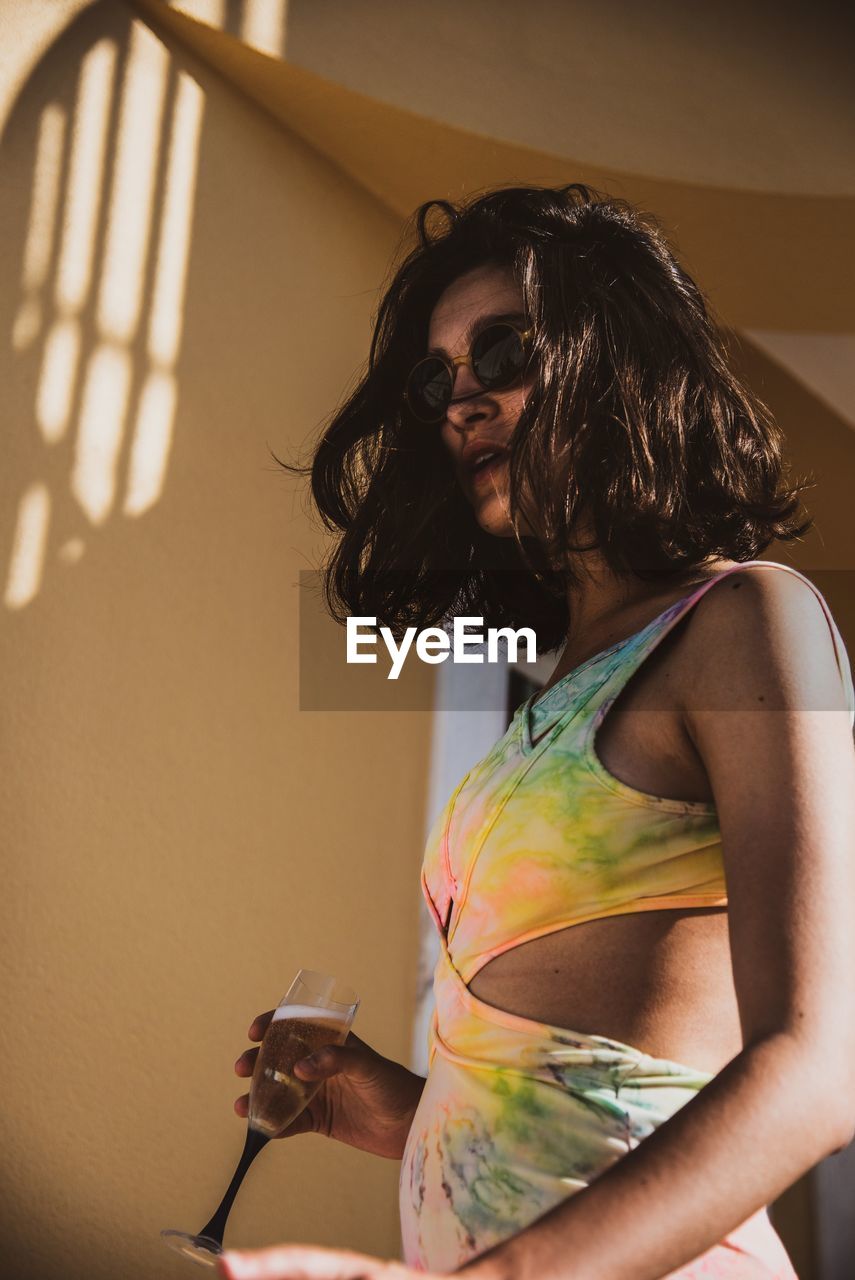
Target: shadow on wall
{"x": 97, "y": 323}
{"x": 186, "y": 287}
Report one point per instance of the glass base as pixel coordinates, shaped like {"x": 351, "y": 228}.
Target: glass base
{"x": 200, "y": 1248}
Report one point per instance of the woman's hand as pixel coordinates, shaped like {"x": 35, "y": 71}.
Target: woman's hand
{"x": 365, "y": 1100}
{"x": 312, "y": 1262}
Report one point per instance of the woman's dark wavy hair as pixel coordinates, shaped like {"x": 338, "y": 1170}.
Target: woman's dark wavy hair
{"x": 636, "y": 422}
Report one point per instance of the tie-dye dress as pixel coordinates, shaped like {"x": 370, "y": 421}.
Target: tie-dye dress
{"x": 516, "y": 1115}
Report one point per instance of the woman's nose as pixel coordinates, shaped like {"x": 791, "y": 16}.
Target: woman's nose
{"x": 462, "y": 411}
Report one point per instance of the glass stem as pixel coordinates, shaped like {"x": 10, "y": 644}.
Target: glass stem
{"x": 215, "y": 1229}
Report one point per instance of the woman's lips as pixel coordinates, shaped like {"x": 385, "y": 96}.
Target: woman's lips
{"x": 490, "y": 469}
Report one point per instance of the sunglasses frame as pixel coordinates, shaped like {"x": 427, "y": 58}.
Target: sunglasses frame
{"x": 451, "y": 364}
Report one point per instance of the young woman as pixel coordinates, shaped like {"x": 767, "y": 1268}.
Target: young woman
{"x": 645, "y": 893}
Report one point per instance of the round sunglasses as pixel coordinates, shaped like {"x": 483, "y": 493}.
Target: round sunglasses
{"x": 497, "y": 358}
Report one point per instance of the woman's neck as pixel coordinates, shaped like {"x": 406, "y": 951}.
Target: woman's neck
{"x": 605, "y": 607}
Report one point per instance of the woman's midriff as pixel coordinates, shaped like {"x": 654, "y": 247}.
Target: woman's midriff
{"x": 658, "y": 980}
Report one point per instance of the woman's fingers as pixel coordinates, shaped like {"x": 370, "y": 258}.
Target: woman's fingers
{"x": 260, "y": 1025}
{"x": 303, "y": 1123}
{"x": 246, "y": 1062}
{"x": 306, "y": 1262}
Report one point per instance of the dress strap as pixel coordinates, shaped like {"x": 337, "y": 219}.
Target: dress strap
{"x": 649, "y": 637}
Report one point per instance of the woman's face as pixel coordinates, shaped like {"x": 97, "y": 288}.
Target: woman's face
{"x": 469, "y": 304}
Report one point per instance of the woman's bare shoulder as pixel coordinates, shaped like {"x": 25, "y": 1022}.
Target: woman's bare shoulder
{"x": 760, "y": 639}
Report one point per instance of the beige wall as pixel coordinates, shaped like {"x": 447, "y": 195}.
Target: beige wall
{"x": 733, "y": 123}
{"x": 179, "y": 836}
{"x": 562, "y": 77}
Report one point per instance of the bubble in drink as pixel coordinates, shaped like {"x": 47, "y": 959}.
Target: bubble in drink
{"x": 276, "y": 1096}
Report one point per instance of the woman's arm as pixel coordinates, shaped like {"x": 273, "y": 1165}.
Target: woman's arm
{"x": 760, "y": 707}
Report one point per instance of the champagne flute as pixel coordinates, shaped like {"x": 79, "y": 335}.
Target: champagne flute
{"x": 316, "y": 1010}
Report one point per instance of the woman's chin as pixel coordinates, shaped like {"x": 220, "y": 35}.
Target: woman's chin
{"x": 495, "y": 521}
{"x": 494, "y": 517}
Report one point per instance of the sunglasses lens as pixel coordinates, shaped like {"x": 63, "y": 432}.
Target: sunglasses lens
{"x": 429, "y": 389}
{"x": 498, "y": 356}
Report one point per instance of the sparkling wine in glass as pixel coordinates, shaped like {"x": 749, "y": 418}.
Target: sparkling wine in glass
{"x": 316, "y": 1010}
